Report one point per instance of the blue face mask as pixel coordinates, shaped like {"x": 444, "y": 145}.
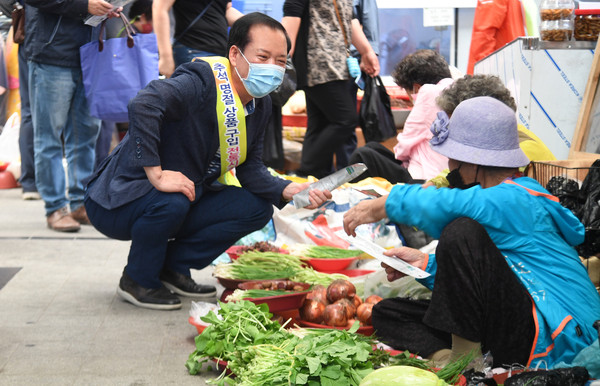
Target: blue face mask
{"x": 262, "y": 79}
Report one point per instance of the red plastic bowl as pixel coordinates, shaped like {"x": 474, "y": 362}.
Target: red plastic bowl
{"x": 329, "y": 265}
{"x": 199, "y": 327}
{"x": 365, "y": 330}
{"x": 352, "y": 272}
{"x": 233, "y": 284}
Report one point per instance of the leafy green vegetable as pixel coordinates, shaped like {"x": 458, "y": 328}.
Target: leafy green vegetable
{"x": 323, "y": 251}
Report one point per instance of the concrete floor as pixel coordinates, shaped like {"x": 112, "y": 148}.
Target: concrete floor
{"x": 61, "y": 321}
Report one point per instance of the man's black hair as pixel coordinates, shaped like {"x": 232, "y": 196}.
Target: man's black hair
{"x": 238, "y": 35}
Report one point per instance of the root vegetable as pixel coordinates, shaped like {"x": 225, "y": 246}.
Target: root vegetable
{"x": 349, "y": 308}
{"x": 373, "y": 299}
{"x": 364, "y": 312}
{"x": 357, "y": 301}
{"x": 340, "y": 289}
{"x": 312, "y": 311}
{"x": 334, "y": 315}
{"x": 319, "y": 293}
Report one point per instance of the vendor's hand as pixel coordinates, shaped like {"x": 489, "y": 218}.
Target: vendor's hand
{"x": 166, "y": 65}
{"x": 365, "y": 212}
{"x": 370, "y": 64}
{"x": 316, "y": 197}
{"x": 170, "y": 181}
{"x": 99, "y": 7}
{"x": 427, "y": 184}
{"x": 412, "y": 256}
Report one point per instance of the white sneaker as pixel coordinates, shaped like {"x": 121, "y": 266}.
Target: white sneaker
{"x": 29, "y": 196}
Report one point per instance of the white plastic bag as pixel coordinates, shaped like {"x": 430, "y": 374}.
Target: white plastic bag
{"x": 9, "y": 140}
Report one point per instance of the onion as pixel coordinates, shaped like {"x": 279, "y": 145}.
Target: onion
{"x": 339, "y": 289}
{"x": 312, "y": 311}
{"x": 357, "y": 301}
{"x": 373, "y": 299}
{"x": 334, "y": 315}
{"x": 350, "y": 323}
{"x": 348, "y": 307}
{"x": 363, "y": 313}
{"x": 318, "y": 293}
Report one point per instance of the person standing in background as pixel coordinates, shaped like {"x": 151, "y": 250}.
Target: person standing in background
{"x": 62, "y": 124}
{"x": 367, "y": 13}
{"x": 319, "y": 51}
{"x": 206, "y": 36}
{"x": 496, "y": 23}
{"x": 27, "y": 179}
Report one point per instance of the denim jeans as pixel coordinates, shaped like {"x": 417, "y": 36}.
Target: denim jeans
{"x": 27, "y": 179}
{"x": 62, "y": 126}
{"x": 183, "y": 54}
{"x": 167, "y": 230}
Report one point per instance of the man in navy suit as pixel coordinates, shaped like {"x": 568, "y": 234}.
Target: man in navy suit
{"x": 163, "y": 187}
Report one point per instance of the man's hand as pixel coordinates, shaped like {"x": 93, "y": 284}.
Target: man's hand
{"x": 170, "y": 181}
{"x": 99, "y": 7}
{"x": 316, "y": 197}
{"x": 412, "y": 256}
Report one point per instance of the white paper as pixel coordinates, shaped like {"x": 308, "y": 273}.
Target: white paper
{"x": 95, "y": 20}
{"x": 376, "y": 251}
{"x": 437, "y": 17}
{"x": 589, "y": 5}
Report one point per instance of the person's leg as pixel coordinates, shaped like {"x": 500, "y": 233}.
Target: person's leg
{"x": 477, "y": 297}
{"x": 80, "y": 136}
{"x": 149, "y": 222}
{"x": 344, "y": 151}
{"x": 51, "y": 91}
{"x": 380, "y": 162}
{"x": 215, "y": 222}
{"x": 107, "y": 129}
{"x": 332, "y": 120}
{"x": 27, "y": 179}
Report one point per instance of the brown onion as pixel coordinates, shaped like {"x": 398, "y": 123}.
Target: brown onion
{"x": 350, "y": 323}
{"x": 373, "y": 299}
{"x": 312, "y": 311}
{"x": 339, "y": 289}
{"x": 334, "y": 315}
{"x": 348, "y": 307}
{"x": 363, "y": 313}
{"x": 357, "y": 301}
{"x": 319, "y": 293}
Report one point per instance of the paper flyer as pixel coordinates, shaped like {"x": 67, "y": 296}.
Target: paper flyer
{"x": 376, "y": 251}
{"x": 96, "y": 20}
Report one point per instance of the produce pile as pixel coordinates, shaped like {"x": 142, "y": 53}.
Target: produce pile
{"x": 259, "y": 351}
{"x": 266, "y": 288}
{"x": 322, "y": 251}
{"x": 259, "y": 246}
{"x": 337, "y": 305}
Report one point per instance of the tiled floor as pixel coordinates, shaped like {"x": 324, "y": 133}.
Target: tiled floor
{"x": 61, "y": 322}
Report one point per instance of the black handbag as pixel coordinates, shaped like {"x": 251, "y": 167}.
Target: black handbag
{"x": 375, "y": 114}
{"x": 18, "y": 23}
{"x": 287, "y": 88}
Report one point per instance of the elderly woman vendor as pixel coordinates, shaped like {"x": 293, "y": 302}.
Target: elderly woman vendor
{"x": 505, "y": 276}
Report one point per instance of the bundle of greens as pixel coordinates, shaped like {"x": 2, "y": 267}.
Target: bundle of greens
{"x": 322, "y": 251}
{"x": 254, "y": 265}
{"x": 240, "y": 294}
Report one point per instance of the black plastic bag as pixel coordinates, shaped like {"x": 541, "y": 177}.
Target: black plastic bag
{"x": 590, "y": 212}
{"x": 375, "y": 115}
{"x": 287, "y": 88}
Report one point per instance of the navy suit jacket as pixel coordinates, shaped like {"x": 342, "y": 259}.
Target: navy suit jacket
{"x": 173, "y": 123}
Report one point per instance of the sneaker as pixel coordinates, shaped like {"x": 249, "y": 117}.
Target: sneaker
{"x": 185, "y": 285}
{"x": 61, "y": 221}
{"x": 80, "y": 215}
{"x": 153, "y": 298}
{"x": 31, "y": 196}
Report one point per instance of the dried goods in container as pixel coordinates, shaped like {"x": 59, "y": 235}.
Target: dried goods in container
{"x": 586, "y": 24}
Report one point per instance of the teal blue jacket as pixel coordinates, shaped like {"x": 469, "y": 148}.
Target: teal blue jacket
{"x": 536, "y": 235}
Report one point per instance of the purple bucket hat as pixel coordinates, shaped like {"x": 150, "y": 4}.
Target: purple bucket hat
{"x": 482, "y": 131}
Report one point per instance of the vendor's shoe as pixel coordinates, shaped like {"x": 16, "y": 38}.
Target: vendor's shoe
{"x": 153, "y": 298}
{"x": 60, "y": 220}
{"x": 185, "y": 285}
{"x": 80, "y": 215}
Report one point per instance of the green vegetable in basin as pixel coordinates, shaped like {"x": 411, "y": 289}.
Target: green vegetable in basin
{"x": 402, "y": 376}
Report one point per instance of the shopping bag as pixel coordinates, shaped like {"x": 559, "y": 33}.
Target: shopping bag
{"x": 114, "y": 70}
{"x": 375, "y": 115}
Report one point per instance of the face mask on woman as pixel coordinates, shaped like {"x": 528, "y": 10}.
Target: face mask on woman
{"x": 456, "y": 181}
{"x": 262, "y": 78}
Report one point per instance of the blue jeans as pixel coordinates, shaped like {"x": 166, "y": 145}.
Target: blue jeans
{"x": 167, "y": 230}
{"x": 183, "y": 54}
{"x": 62, "y": 125}
{"x": 27, "y": 179}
